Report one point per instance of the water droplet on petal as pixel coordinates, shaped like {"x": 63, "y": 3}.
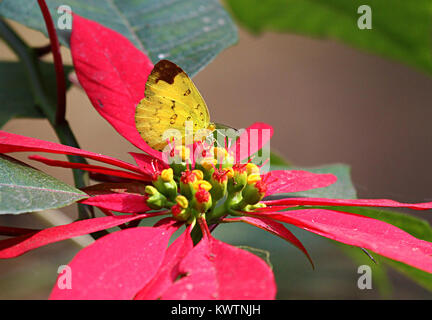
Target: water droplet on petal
{"x": 162, "y": 55}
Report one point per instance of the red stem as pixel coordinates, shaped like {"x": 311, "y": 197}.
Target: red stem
{"x": 204, "y": 228}
{"x": 14, "y": 232}
{"x": 101, "y": 177}
{"x": 58, "y": 63}
{"x": 213, "y": 226}
{"x": 43, "y": 50}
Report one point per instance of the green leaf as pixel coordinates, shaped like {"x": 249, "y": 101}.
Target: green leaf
{"x": 380, "y": 278}
{"x": 25, "y": 189}
{"x": 420, "y": 277}
{"x": 16, "y": 97}
{"x": 401, "y": 29}
{"x": 342, "y": 189}
{"x": 188, "y": 32}
{"x": 276, "y": 159}
{"x": 417, "y": 227}
{"x": 260, "y": 253}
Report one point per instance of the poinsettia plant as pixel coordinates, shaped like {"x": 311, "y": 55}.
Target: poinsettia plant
{"x": 193, "y": 195}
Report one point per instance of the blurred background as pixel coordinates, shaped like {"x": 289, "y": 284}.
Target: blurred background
{"x": 328, "y": 103}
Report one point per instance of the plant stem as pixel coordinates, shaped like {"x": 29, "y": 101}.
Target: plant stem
{"x": 63, "y": 131}
{"x": 43, "y": 50}
{"x": 58, "y": 63}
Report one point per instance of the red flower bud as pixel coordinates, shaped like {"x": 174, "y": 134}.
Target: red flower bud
{"x": 202, "y": 195}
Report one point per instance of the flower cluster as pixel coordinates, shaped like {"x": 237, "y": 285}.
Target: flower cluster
{"x": 214, "y": 187}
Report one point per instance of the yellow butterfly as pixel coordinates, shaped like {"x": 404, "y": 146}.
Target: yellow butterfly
{"x": 170, "y": 100}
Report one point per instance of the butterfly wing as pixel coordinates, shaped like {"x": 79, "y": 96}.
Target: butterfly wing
{"x": 170, "y": 100}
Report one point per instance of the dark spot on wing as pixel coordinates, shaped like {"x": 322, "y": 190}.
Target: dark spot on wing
{"x": 166, "y": 70}
{"x": 100, "y": 103}
{"x": 187, "y": 92}
{"x": 173, "y": 105}
{"x": 173, "y": 118}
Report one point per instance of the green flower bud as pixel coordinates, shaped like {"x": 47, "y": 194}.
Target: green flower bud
{"x": 186, "y": 182}
{"x": 219, "y": 180}
{"x": 165, "y": 183}
{"x": 239, "y": 178}
{"x": 156, "y": 200}
{"x": 255, "y": 190}
{"x": 202, "y": 200}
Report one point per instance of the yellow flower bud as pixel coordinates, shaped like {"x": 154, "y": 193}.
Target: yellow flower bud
{"x": 202, "y": 184}
{"x": 230, "y": 172}
{"x": 167, "y": 175}
{"x": 252, "y": 168}
{"x": 253, "y": 178}
{"x": 208, "y": 163}
{"x": 150, "y": 190}
{"x": 198, "y": 174}
{"x": 182, "y": 201}
{"x": 220, "y": 153}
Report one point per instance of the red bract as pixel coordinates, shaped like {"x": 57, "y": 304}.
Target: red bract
{"x": 103, "y": 269}
{"x": 113, "y": 73}
{"x": 137, "y": 263}
{"x": 215, "y": 270}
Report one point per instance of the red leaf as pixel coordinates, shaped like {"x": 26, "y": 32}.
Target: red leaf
{"x": 113, "y": 73}
{"x": 284, "y": 181}
{"x": 120, "y": 197}
{"x": 13, "y": 232}
{"x": 126, "y": 203}
{"x": 146, "y": 163}
{"x": 356, "y": 230}
{"x": 251, "y": 140}
{"x": 14, "y": 247}
{"x": 10, "y": 142}
{"x": 118, "y": 265}
{"x": 274, "y": 227}
{"x": 90, "y": 168}
{"x": 215, "y": 270}
{"x": 166, "y": 275}
{"x": 349, "y": 202}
